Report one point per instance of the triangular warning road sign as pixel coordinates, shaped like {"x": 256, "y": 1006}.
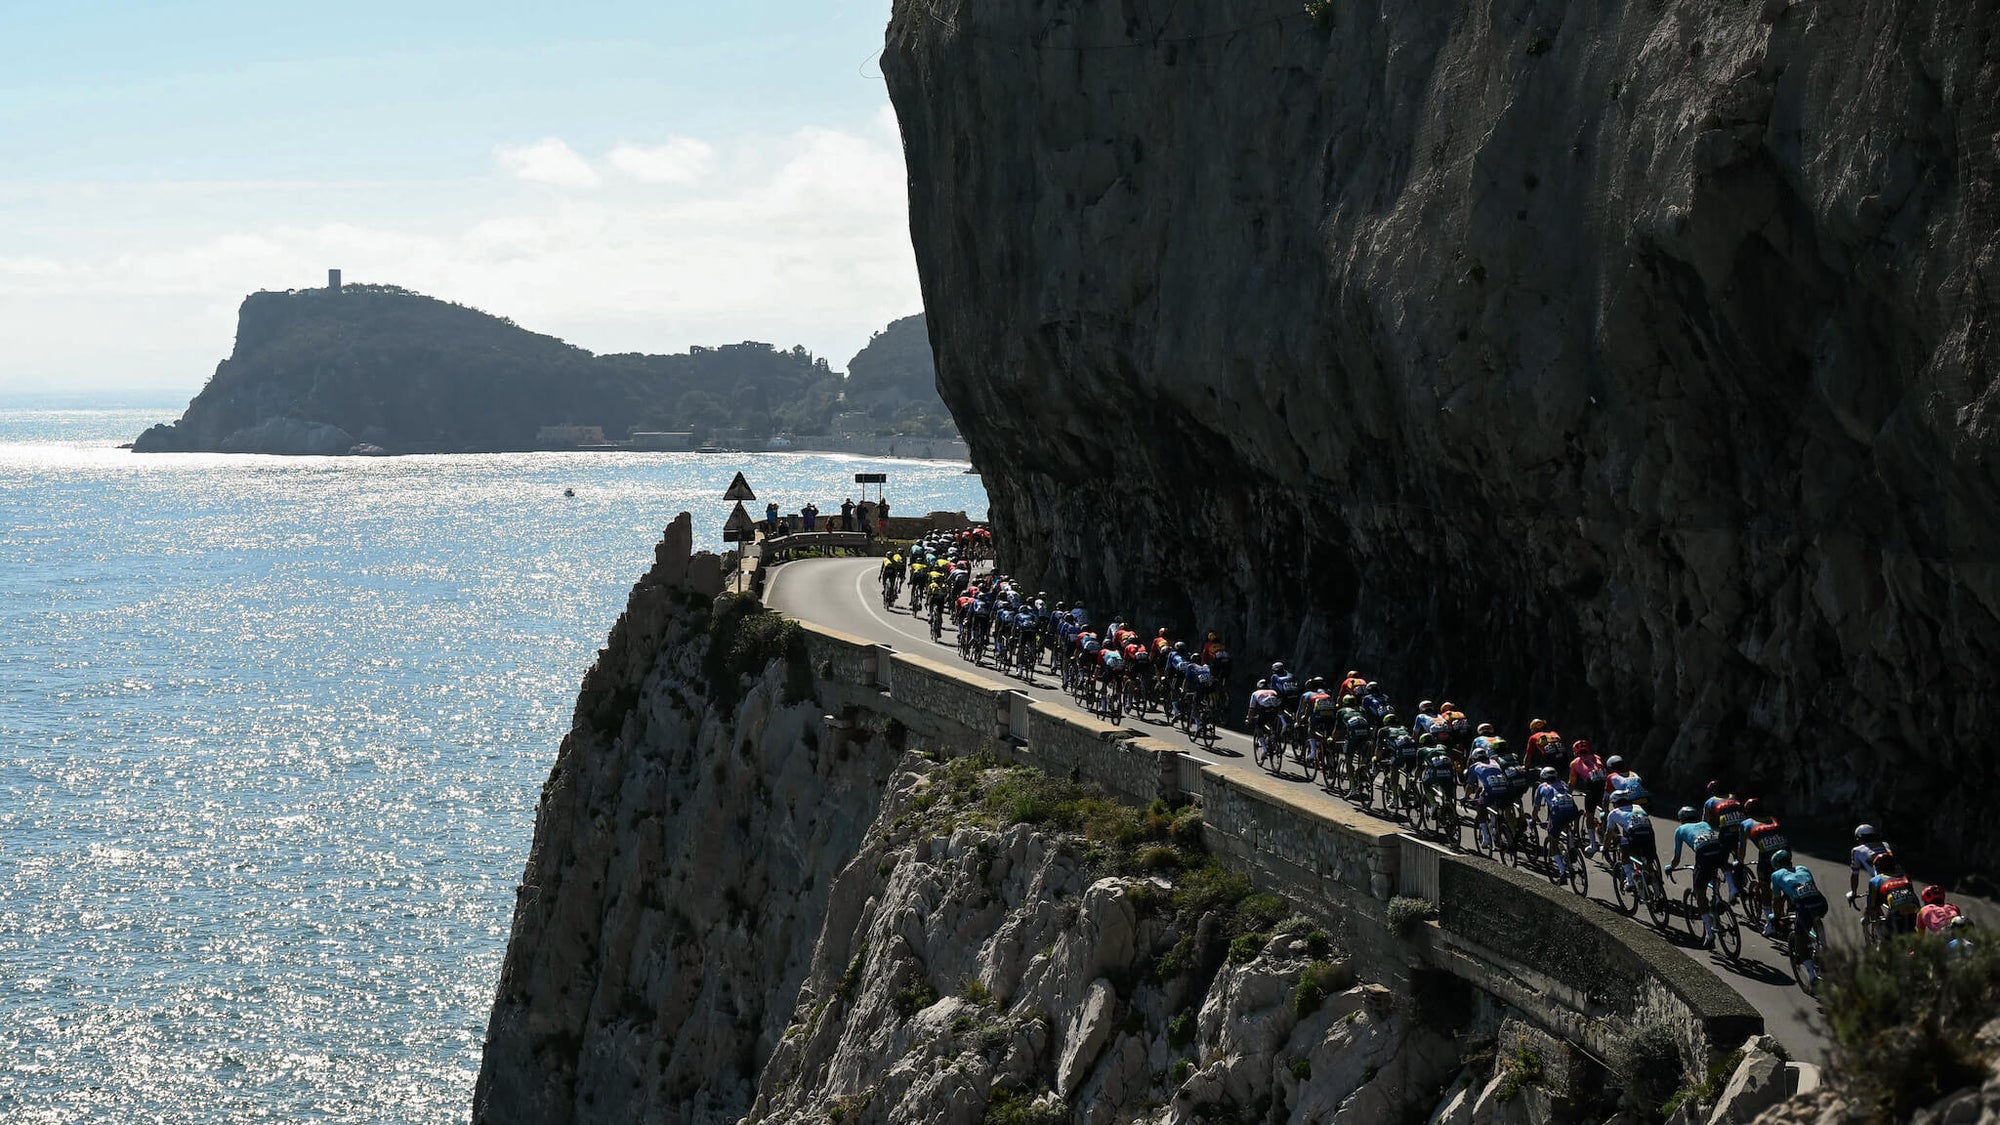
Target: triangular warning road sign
{"x": 739, "y": 489}
{"x": 739, "y": 520}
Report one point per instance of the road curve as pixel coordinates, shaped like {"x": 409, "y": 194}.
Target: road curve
{"x": 842, "y": 594}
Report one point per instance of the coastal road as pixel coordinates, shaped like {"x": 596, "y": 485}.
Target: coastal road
{"x": 842, "y": 594}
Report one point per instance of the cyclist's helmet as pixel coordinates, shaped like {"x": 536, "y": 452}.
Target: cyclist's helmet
{"x": 1754, "y": 807}
{"x": 1481, "y": 755}
{"x": 1715, "y": 787}
{"x": 1426, "y": 707}
{"x": 1781, "y": 859}
{"x": 1277, "y": 667}
{"x": 1933, "y": 895}
{"x": 1389, "y": 719}
{"x": 1353, "y": 675}
{"x": 1535, "y": 726}
{"x": 1262, "y": 684}
{"x": 1486, "y": 728}
{"x": 1373, "y": 686}
{"x": 1888, "y": 864}
{"x": 1348, "y": 701}
{"x": 1548, "y": 773}
{"x": 1614, "y": 763}
{"x": 1426, "y": 739}
{"x": 1213, "y": 637}
{"x": 1180, "y": 646}
{"x": 1866, "y": 832}
{"x": 1316, "y": 683}
{"x": 1448, "y": 705}
{"x": 1688, "y": 814}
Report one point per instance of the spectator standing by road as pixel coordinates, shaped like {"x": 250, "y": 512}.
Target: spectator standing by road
{"x": 771, "y": 518}
{"x": 847, "y": 514}
{"x": 809, "y": 513}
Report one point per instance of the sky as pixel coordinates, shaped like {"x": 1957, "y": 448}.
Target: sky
{"x": 630, "y": 176}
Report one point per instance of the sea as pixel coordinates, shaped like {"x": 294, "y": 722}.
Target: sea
{"x": 271, "y": 735}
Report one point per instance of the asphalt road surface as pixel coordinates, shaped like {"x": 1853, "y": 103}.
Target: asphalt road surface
{"x": 843, "y": 594}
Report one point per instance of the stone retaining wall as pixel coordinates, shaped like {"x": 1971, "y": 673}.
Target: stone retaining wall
{"x": 1577, "y": 970}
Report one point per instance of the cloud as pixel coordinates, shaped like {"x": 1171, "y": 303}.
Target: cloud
{"x": 680, "y": 160}
{"x": 799, "y": 238}
{"x": 547, "y": 161}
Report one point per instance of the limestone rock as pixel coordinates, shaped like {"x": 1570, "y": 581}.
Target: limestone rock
{"x": 1758, "y": 1083}
{"x": 1655, "y": 340}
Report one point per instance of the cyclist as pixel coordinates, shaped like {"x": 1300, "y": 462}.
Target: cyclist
{"x": 1266, "y": 715}
{"x": 1426, "y": 720}
{"x": 1375, "y": 704}
{"x": 1796, "y": 901}
{"x": 1762, "y": 832}
{"x": 1163, "y": 644}
{"x": 1724, "y": 813}
{"x": 1197, "y": 686}
{"x": 1631, "y": 830}
{"x": 1486, "y": 785}
{"x": 1285, "y": 684}
{"x": 1486, "y": 740}
{"x": 1398, "y": 749}
{"x": 1110, "y": 673}
{"x": 1618, "y": 779}
{"x": 1545, "y": 747}
{"x": 1457, "y": 732}
{"x": 1892, "y": 898}
{"x": 1352, "y": 684}
{"x": 1319, "y": 711}
{"x": 1868, "y": 844}
{"x": 1586, "y": 776}
{"x": 1440, "y": 775}
{"x": 1937, "y": 915}
{"x": 1210, "y": 647}
{"x": 1555, "y": 796}
{"x": 1707, "y": 852}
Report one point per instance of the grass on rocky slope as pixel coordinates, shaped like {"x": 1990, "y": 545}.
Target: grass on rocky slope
{"x": 1160, "y": 841}
{"x": 1905, "y": 1018}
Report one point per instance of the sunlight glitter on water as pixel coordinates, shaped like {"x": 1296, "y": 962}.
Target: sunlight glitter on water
{"x": 271, "y": 733}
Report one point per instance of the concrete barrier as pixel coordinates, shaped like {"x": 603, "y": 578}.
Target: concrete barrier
{"x": 1594, "y": 973}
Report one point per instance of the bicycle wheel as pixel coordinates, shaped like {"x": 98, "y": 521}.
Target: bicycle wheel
{"x": 1627, "y": 899}
{"x": 1484, "y": 832}
{"x": 1803, "y": 952}
{"x": 1656, "y": 900}
{"x": 1420, "y": 814}
{"x": 1448, "y": 819}
{"x": 1691, "y": 913}
{"x": 1579, "y": 871}
{"x": 1728, "y": 934}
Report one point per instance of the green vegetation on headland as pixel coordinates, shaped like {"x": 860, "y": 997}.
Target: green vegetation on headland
{"x": 378, "y": 368}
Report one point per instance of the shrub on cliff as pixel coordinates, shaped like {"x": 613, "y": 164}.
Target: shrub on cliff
{"x": 743, "y": 638}
{"x": 1905, "y": 1018}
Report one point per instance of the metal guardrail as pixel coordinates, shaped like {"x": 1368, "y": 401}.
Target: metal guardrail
{"x": 784, "y": 546}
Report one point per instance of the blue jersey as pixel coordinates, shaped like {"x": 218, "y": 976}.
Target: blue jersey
{"x": 1702, "y": 842}
{"x": 1796, "y": 884}
{"x": 1632, "y": 825}
{"x": 1627, "y": 782}
{"x": 1490, "y": 778}
{"x": 1560, "y": 802}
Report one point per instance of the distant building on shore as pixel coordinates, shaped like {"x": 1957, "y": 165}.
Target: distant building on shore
{"x": 663, "y": 441}
{"x": 568, "y": 436}
{"x": 333, "y": 280}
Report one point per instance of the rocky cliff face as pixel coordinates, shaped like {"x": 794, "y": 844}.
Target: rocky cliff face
{"x": 685, "y": 847}
{"x": 1627, "y": 364}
